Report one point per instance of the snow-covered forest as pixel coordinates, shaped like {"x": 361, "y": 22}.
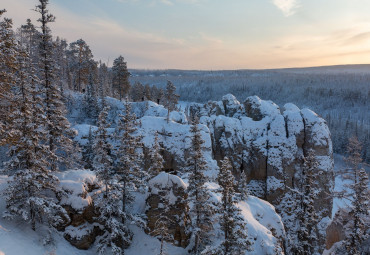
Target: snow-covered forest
{"x": 340, "y": 94}
{"x": 101, "y": 159}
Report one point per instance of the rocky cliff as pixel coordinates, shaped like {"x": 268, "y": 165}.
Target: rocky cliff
{"x": 269, "y": 145}
{"x": 265, "y": 141}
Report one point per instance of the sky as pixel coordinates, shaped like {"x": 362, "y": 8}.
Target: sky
{"x": 212, "y": 34}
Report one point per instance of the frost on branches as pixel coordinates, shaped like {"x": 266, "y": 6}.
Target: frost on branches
{"x": 201, "y": 211}
{"x": 359, "y": 196}
{"x": 235, "y": 239}
{"x": 33, "y": 190}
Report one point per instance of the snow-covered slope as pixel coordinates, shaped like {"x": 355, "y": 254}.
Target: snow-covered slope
{"x": 263, "y": 224}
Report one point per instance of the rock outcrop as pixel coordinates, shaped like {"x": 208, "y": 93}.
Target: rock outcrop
{"x": 171, "y": 188}
{"x": 79, "y": 187}
{"x": 265, "y": 141}
{"x": 269, "y": 145}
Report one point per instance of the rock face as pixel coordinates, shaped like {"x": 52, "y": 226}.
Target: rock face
{"x": 340, "y": 228}
{"x": 171, "y": 187}
{"x": 269, "y": 144}
{"x": 265, "y": 141}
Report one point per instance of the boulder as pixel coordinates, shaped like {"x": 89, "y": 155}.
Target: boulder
{"x": 172, "y": 188}
{"x": 82, "y": 236}
{"x": 79, "y": 188}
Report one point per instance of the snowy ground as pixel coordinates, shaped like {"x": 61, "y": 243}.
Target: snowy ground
{"x": 17, "y": 238}
{"x": 340, "y": 183}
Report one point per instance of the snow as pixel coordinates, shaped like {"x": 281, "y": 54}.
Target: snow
{"x": 262, "y": 224}
{"x": 175, "y": 137}
{"x": 163, "y": 179}
{"x": 318, "y": 126}
{"x": 267, "y": 107}
{"x": 273, "y": 183}
{"x": 83, "y": 132}
{"x": 75, "y": 182}
{"x": 340, "y": 185}
{"x": 17, "y": 238}
{"x": 80, "y": 231}
{"x": 143, "y": 244}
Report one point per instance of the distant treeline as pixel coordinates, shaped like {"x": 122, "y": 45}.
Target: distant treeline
{"x": 338, "y": 94}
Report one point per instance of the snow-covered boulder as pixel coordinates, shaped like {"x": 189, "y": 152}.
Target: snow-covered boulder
{"x": 79, "y": 187}
{"x": 172, "y": 189}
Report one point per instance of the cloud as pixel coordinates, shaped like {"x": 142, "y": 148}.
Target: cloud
{"x": 288, "y": 7}
{"x": 167, "y": 2}
{"x": 358, "y": 38}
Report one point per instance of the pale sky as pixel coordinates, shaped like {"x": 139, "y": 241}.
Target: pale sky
{"x": 212, "y": 34}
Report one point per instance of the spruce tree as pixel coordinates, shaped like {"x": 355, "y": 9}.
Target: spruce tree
{"x": 359, "y": 196}
{"x": 30, "y": 39}
{"x": 120, "y": 76}
{"x": 201, "y": 211}
{"x": 161, "y": 227}
{"x": 243, "y": 187}
{"x": 8, "y": 69}
{"x": 91, "y": 107}
{"x": 171, "y": 99}
{"x": 232, "y": 224}
{"x": 156, "y": 159}
{"x": 33, "y": 190}
{"x": 115, "y": 235}
{"x": 130, "y": 173}
{"x": 102, "y": 162}
{"x": 88, "y": 152}
{"x": 58, "y": 128}
{"x": 306, "y": 214}
{"x": 138, "y": 92}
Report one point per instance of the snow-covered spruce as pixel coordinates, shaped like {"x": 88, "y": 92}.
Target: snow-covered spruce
{"x": 202, "y": 211}
{"x": 58, "y": 128}
{"x": 235, "y": 241}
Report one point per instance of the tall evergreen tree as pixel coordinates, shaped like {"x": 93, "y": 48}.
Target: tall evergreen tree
{"x": 120, "y": 77}
{"x": 82, "y": 63}
{"x": 58, "y": 126}
{"x": 102, "y": 162}
{"x": 88, "y": 152}
{"x": 8, "y": 69}
{"x": 116, "y": 234}
{"x": 91, "y": 107}
{"x": 104, "y": 86}
{"x": 137, "y": 92}
{"x": 243, "y": 186}
{"x": 201, "y": 211}
{"x": 171, "y": 99}
{"x": 148, "y": 93}
{"x": 29, "y": 38}
{"x": 32, "y": 190}
{"x": 306, "y": 214}
{"x": 161, "y": 227}
{"x": 130, "y": 173}
{"x": 232, "y": 224}
{"x": 359, "y": 195}
{"x": 156, "y": 159}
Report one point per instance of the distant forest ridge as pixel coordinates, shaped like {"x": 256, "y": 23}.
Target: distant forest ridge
{"x": 340, "y": 94}
{"x": 352, "y": 68}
